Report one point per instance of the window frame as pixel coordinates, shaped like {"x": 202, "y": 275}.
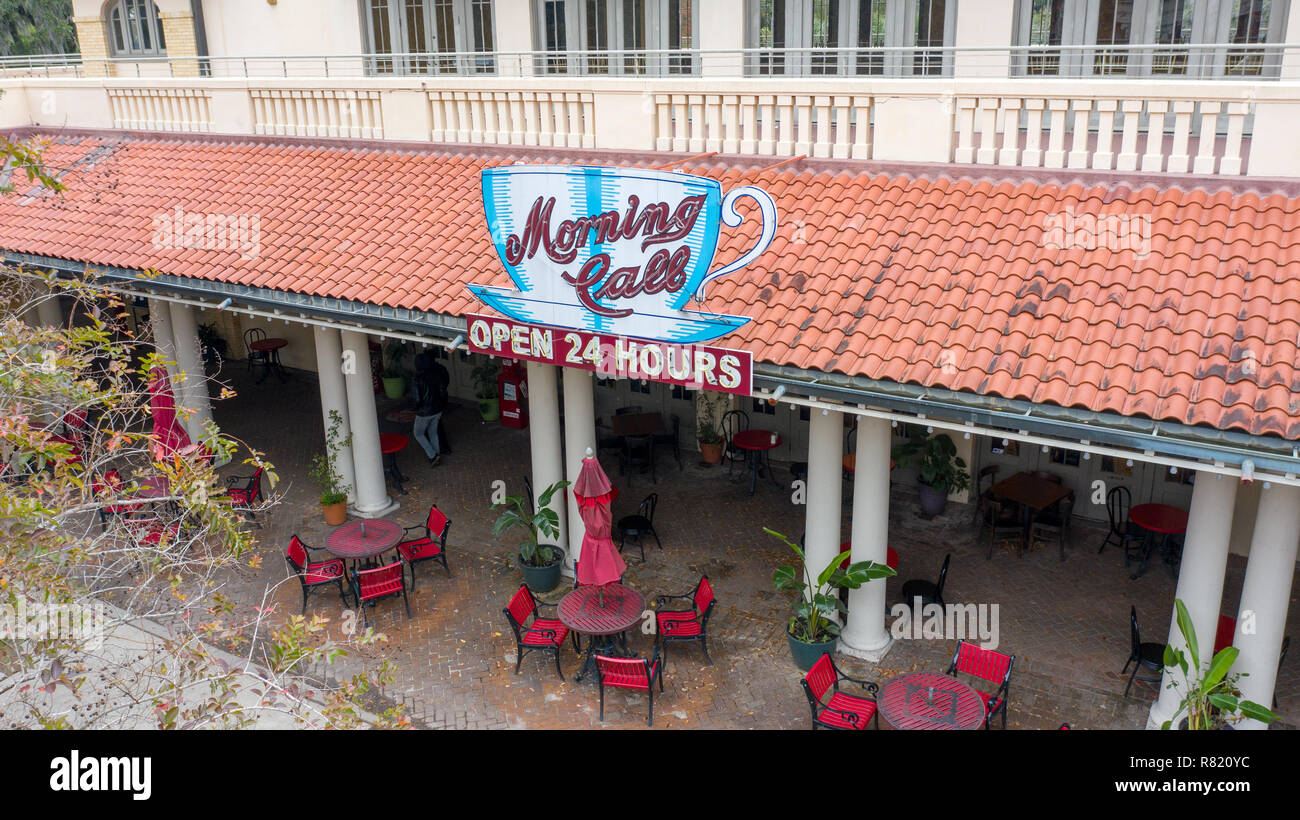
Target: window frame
{"x": 123, "y": 30}
{"x": 655, "y": 36}
{"x": 463, "y": 39}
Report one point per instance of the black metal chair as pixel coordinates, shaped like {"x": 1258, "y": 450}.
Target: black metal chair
{"x": 929, "y": 593}
{"x": 640, "y": 524}
{"x": 1149, "y": 655}
{"x": 255, "y": 334}
{"x": 1128, "y": 537}
{"x": 733, "y": 421}
{"x": 850, "y": 445}
{"x": 639, "y": 453}
{"x": 1054, "y": 523}
{"x": 528, "y": 488}
{"x": 982, "y": 496}
{"x": 1002, "y": 520}
{"x": 673, "y": 439}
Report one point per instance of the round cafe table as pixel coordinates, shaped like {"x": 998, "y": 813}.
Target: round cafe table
{"x": 926, "y": 700}
{"x": 891, "y": 557}
{"x": 359, "y": 540}
{"x": 271, "y": 347}
{"x": 1157, "y": 519}
{"x": 756, "y": 444}
{"x": 601, "y": 613}
{"x": 390, "y": 444}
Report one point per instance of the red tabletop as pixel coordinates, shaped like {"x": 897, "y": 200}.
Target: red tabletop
{"x": 756, "y": 440}
{"x": 390, "y": 443}
{"x": 891, "y": 557}
{"x": 905, "y": 703}
{"x": 364, "y": 539}
{"x": 264, "y": 345}
{"x": 1160, "y": 518}
{"x": 584, "y": 610}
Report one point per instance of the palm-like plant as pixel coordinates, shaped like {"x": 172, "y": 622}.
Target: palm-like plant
{"x": 1209, "y": 701}
{"x": 545, "y": 521}
{"x": 813, "y": 617}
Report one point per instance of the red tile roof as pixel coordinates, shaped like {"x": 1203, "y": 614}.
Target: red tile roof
{"x": 924, "y": 280}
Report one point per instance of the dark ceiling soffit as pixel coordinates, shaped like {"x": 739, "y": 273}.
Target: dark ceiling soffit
{"x": 1067, "y": 424}
{"x": 1064, "y": 423}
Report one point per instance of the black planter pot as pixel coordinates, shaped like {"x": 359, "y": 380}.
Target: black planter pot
{"x": 933, "y": 502}
{"x": 805, "y": 654}
{"x": 543, "y": 579}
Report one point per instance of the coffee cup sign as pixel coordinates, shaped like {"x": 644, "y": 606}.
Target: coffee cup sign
{"x": 613, "y": 250}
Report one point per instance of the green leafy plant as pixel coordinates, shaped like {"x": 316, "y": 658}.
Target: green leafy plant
{"x": 1212, "y": 700}
{"x": 323, "y": 465}
{"x": 813, "y": 616}
{"x": 941, "y": 469}
{"x": 707, "y": 432}
{"x": 485, "y": 379}
{"x": 394, "y": 356}
{"x": 534, "y": 523}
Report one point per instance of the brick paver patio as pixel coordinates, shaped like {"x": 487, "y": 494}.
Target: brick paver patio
{"x": 1067, "y": 623}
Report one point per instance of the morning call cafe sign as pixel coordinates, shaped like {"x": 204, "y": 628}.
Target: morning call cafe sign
{"x": 603, "y": 263}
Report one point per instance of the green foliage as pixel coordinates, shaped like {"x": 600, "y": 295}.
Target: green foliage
{"x": 36, "y": 27}
{"x": 941, "y": 469}
{"x": 324, "y": 465}
{"x": 394, "y": 357}
{"x": 514, "y": 514}
{"x": 1212, "y": 700}
{"x": 485, "y": 378}
{"x": 707, "y": 422}
{"x": 815, "y": 611}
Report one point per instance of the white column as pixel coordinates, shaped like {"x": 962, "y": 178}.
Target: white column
{"x": 1200, "y": 581}
{"x": 579, "y": 436}
{"x": 160, "y": 317}
{"x": 1265, "y": 595}
{"x": 372, "y": 493}
{"x": 722, "y": 26}
{"x": 544, "y": 439}
{"x": 48, "y": 310}
{"x": 986, "y": 23}
{"x": 825, "y": 478}
{"x": 514, "y": 32}
{"x": 865, "y": 635}
{"x": 334, "y": 396}
{"x": 192, "y": 380}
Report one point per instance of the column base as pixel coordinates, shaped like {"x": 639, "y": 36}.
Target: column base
{"x": 391, "y": 508}
{"x": 874, "y": 654}
{"x": 1157, "y": 716}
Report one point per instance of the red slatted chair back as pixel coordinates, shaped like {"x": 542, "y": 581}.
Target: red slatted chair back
{"x": 380, "y": 581}
{"x": 703, "y": 595}
{"x": 1223, "y": 636}
{"x": 821, "y": 677}
{"x": 521, "y": 606}
{"x": 983, "y": 663}
{"x": 627, "y": 672}
{"x": 436, "y": 523}
{"x": 297, "y": 553}
{"x": 254, "y": 492}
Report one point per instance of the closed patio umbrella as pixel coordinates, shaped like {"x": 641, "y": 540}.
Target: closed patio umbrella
{"x": 599, "y": 561}
{"x": 170, "y": 435}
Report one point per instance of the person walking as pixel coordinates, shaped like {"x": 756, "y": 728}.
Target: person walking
{"x": 430, "y": 400}
{"x": 444, "y": 443}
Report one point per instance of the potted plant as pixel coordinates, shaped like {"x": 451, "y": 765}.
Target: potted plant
{"x": 485, "y": 389}
{"x": 394, "y": 375}
{"x": 334, "y": 493}
{"x": 707, "y": 433}
{"x": 540, "y": 563}
{"x": 213, "y": 346}
{"x": 942, "y": 472}
{"x": 1212, "y": 700}
{"x": 813, "y": 630}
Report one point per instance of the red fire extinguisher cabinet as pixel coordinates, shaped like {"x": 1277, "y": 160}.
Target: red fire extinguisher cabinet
{"x": 512, "y": 387}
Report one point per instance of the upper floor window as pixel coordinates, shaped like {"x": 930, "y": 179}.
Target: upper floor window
{"x": 616, "y": 36}
{"x": 1181, "y": 31}
{"x": 430, "y": 36}
{"x": 135, "y": 29}
{"x": 880, "y": 37}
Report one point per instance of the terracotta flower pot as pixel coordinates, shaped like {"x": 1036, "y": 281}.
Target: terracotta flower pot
{"x": 712, "y": 453}
{"x": 335, "y": 514}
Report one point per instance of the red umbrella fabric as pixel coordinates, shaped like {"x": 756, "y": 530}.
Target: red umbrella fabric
{"x": 599, "y": 561}
{"x": 171, "y": 436}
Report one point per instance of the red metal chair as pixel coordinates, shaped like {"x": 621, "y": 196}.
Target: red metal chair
{"x": 372, "y": 584}
{"x": 988, "y": 665}
{"x": 1224, "y": 634}
{"x": 630, "y": 673}
{"x": 432, "y": 546}
{"x": 110, "y": 485}
{"x": 540, "y": 633}
{"x": 312, "y": 574}
{"x": 151, "y": 531}
{"x": 841, "y": 710}
{"x": 686, "y": 625}
{"x": 245, "y": 492}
